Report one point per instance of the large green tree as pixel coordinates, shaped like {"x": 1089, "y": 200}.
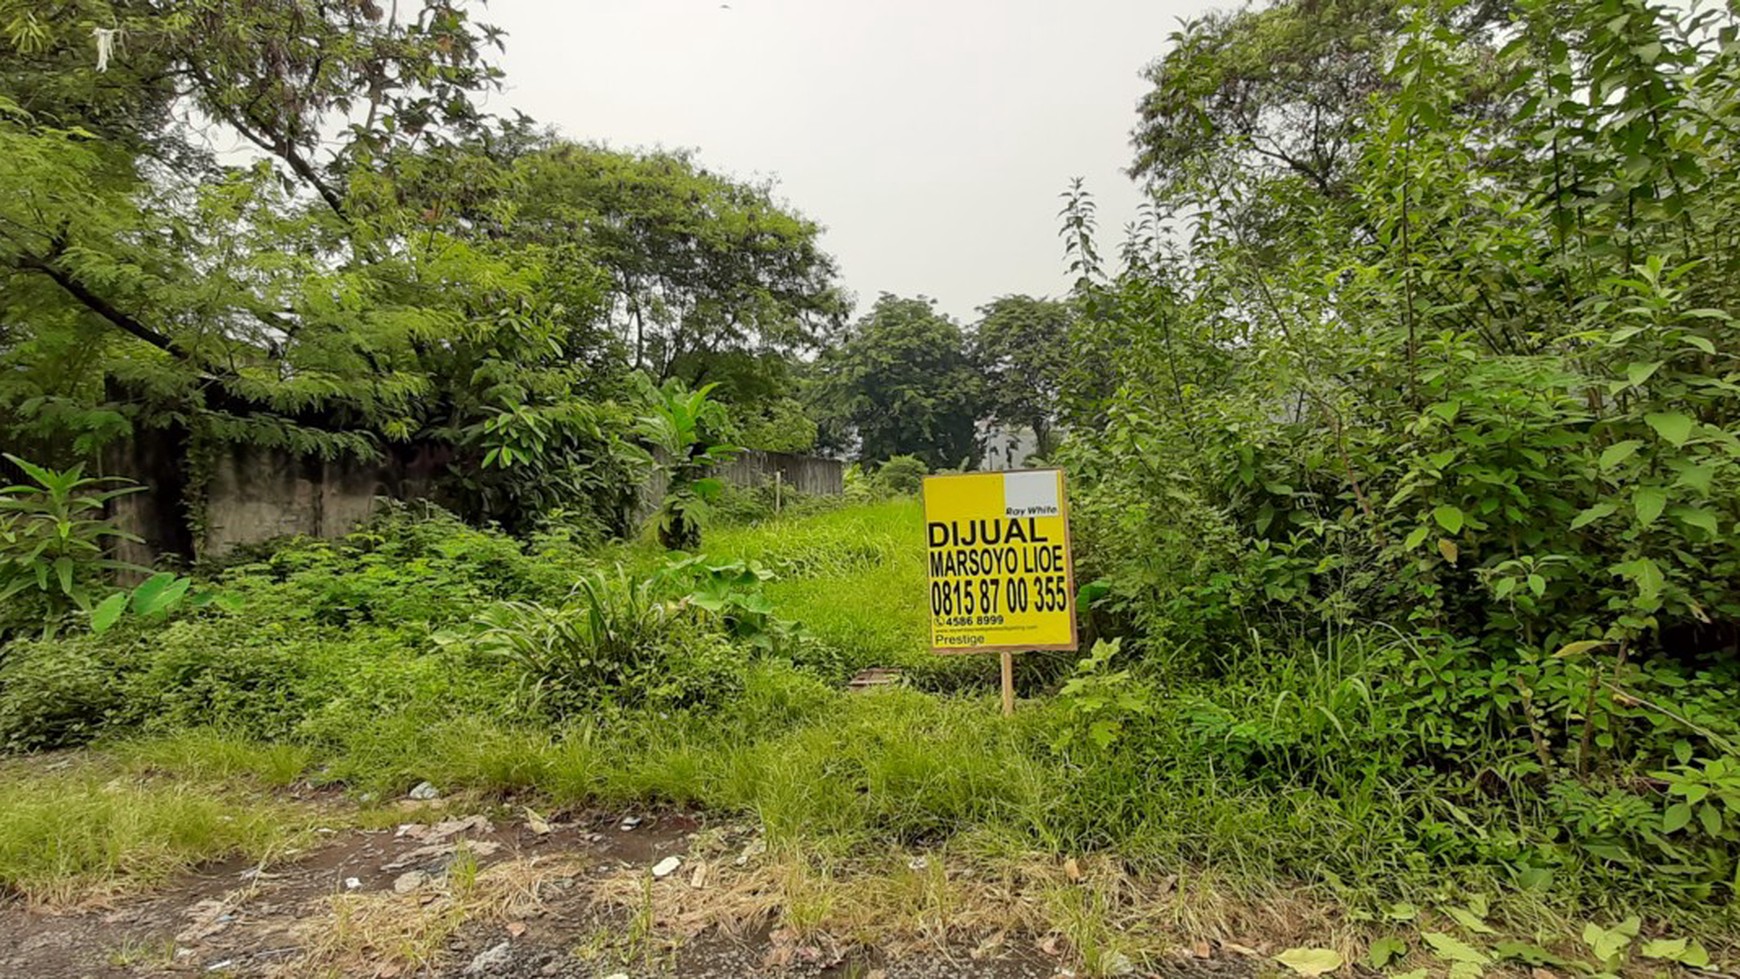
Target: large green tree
{"x": 1022, "y": 345}
{"x": 709, "y": 276}
{"x": 343, "y": 284}
{"x": 903, "y": 383}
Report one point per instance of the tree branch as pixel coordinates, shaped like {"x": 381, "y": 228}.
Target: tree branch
{"x": 97, "y": 304}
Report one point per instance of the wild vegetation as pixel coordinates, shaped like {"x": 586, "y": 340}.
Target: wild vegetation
{"x": 1402, "y": 435}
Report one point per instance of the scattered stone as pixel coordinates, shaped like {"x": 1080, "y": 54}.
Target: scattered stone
{"x": 629, "y": 822}
{"x": 872, "y": 678}
{"x": 516, "y": 928}
{"x": 210, "y": 917}
{"x": 1119, "y": 964}
{"x": 425, "y": 833}
{"x": 917, "y": 863}
{"x": 423, "y": 792}
{"x": 407, "y": 882}
{"x": 491, "y": 959}
{"x": 220, "y": 966}
{"x": 698, "y": 879}
{"x": 537, "y": 823}
{"x": 617, "y": 975}
{"x": 352, "y": 883}
{"x": 756, "y": 848}
{"x": 667, "y": 866}
{"x": 434, "y": 851}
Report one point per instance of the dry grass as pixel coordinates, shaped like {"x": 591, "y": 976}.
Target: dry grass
{"x": 1093, "y": 910}
{"x": 384, "y": 934}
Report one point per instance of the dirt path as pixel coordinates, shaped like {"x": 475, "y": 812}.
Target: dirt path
{"x": 460, "y": 897}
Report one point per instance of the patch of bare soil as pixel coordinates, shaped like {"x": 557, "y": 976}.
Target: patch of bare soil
{"x": 590, "y": 896}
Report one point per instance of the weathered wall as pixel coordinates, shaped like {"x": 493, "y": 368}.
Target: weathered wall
{"x": 751, "y": 468}
{"x": 156, "y": 459}
{"x": 806, "y": 474}
{"x": 255, "y": 494}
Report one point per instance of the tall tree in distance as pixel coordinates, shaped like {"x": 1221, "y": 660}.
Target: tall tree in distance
{"x": 903, "y": 383}
{"x": 1022, "y": 346}
{"x": 707, "y": 274}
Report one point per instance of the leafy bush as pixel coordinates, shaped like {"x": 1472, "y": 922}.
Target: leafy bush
{"x": 258, "y": 683}
{"x": 615, "y": 639}
{"x": 1478, "y": 400}
{"x": 54, "y": 694}
{"x": 737, "y": 505}
{"x": 899, "y": 476}
{"x": 52, "y": 540}
{"x": 689, "y": 427}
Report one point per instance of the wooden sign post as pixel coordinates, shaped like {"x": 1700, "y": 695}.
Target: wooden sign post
{"x": 1002, "y": 578}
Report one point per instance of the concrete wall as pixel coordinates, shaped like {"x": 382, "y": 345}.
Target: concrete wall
{"x": 806, "y": 474}
{"x": 751, "y": 468}
{"x": 255, "y": 494}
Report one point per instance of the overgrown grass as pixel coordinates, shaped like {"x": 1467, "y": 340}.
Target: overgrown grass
{"x": 1289, "y": 771}
{"x": 855, "y": 577}
{"x": 95, "y": 827}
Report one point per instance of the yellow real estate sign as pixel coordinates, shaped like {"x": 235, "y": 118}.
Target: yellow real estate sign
{"x": 1001, "y": 575}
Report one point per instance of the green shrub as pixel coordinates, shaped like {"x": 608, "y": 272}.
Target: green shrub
{"x": 54, "y": 694}
{"x": 899, "y": 476}
{"x": 53, "y": 539}
{"x": 614, "y": 639}
{"x": 256, "y": 683}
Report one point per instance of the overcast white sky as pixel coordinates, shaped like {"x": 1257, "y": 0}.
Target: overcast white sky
{"x": 930, "y": 137}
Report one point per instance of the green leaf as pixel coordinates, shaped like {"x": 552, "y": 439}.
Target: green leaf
{"x": 159, "y": 593}
{"x": 1687, "y": 952}
{"x": 1385, "y": 950}
{"x": 1470, "y": 921}
{"x": 1710, "y": 818}
{"x": 1525, "y": 952}
{"x": 1454, "y": 950}
{"x": 1641, "y": 372}
{"x": 1697, "y": 517}
{"x": 1417, "y": 538}
{"x": 1593, "y": 514}
{"x": 1606, "y": 943}
{"x": 1677, "y": 817}
{"x": 1702, "y": 343}
{"x": 1448, "y": 548}
{"x": 1401, "y": 912}
{"x": 1310, "y": 961}
{"x": 108, "y": 612}
{"x": 1698, "y": 477}
{"x": 1618, "y": 452}
{"x": 1674, "y": 427}
{"x": 1449, "y": 517}
{"x": 1649, "y": 502}
{"x": 1664, "y": 948}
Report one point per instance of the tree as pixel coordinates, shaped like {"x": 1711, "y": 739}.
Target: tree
{"x": 707, "y": 275}
{"x": 902, "y": 383}
{"x": 1022, "y": 346}
{"x": 1256, "y": 114}
{"x": 349, "y": 287}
